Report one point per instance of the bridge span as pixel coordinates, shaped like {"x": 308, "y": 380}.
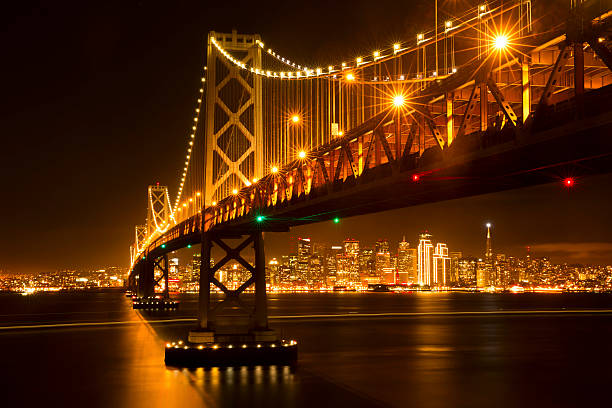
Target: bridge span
{"x": 482, "y": 104}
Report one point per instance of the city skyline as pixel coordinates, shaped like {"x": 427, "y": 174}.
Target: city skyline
{"x": 91, "y": 226}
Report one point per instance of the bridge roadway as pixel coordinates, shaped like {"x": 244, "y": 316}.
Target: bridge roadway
{"x": 556, "y": 146}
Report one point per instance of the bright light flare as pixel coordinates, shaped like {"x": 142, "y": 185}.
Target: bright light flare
{"x": 500, "y": 42}
{"x": 488, "y": 225}
{"x": 569, "y": 182}
{"x": 274, "y": 169}
{"x": 302, "y": 154}
{"x": 350, "y": 77}
{"x": 399, "y": 101}
{"x": 295, "y": 118}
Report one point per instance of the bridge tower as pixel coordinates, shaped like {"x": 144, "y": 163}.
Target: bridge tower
{"x": 158, "y": 210}
{"x": 234, "y": 134}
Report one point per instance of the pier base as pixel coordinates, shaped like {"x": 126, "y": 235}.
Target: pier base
{"x": 231, "y": 354}
{"x": 153, "y": 303}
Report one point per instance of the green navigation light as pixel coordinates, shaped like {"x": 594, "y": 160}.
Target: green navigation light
{"x": 336, "y": 220}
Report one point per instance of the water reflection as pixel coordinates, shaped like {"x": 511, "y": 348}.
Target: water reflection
{"x": 243, "y": 386}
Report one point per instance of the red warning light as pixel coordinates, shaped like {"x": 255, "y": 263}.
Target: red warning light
{"x": 568, "y": 182}
{"x": 415, "y": 177}
{"x": 157, "y": 184}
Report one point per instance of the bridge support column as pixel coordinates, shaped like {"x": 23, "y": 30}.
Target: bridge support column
{"x": 146, "y": 279}
{"x": 203, "y": 334}
{"x": 232, "y": 319}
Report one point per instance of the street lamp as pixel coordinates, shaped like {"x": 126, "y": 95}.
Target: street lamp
{"x": 500, "y": 42}
{"x": 399, "y": 100}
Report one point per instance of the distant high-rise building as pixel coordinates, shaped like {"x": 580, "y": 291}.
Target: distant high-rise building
{"x": 425, "y": 258}
{"x": 383, "y": 261}
{"x": 404, "y": 262}
{"x": 331, "y": 262}
{"x": 351, "y": 252}
{"x": 382, "y": 246}
{"x": 367, "y": 262}
{"x": 304, "y": 251}
{"x": 489, "y": 247}
{"x": 454, "y": 266}
{"x": 441, "y": 265}
{"x": 467, "y": 272}
{"x": 412, "y": 266}
{"x": 484, "y": 274}
{"x": 272, "y": 272}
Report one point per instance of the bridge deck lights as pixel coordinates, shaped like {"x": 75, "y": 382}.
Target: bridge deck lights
{"x": 274, "y": 169}
{"x": 500, "y": 42}
{"x": 399, "y": 100}
{"x": 350, "y": 77}
{"x": 302, "y": 154}
{"x": 295, "y": 118}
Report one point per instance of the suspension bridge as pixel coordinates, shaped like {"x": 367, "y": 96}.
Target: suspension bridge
{"x": 481, "y": 103}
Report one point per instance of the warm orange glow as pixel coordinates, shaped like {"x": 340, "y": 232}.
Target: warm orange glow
{"x": 398, "y": 101}
{"x": 234, "y": 191}
{"x": 350, "y": 77}
{"x": 214, "y": 203}
{"x": 302, "y": 154}
{"x": 198, "y": 194}
{"x": 500, "y": 42}
{"x": 274, "y": 169}
{"x": 295, "y": 118}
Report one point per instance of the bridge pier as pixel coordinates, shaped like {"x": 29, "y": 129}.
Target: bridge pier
{"x": 232, "y": 319}
{"x": 146, "y": 279}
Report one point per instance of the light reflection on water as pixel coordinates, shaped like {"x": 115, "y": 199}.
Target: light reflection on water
{"x": 425, "y": 361}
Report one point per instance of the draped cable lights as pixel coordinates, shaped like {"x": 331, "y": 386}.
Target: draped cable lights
{"x": 396, "y": 49}
{"x": 194, "y": 128}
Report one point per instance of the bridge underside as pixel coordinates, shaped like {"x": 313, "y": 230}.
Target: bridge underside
{"x": 514, "y": 160}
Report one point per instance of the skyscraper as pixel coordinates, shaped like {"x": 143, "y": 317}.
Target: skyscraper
{"x": 403, "y": 261}
{"x": 441, "y": 265}
{"x": 303, "y": 258}
{"x": 383, "y": 262}
{"x": 425, "y": 252}
{"x": 489, "y": 248}
{"x": 351, "y": 252}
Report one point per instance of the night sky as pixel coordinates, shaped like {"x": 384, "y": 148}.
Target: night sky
{"x": 98, "y": 100}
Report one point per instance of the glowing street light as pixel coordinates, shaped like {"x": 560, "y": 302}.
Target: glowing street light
{"x": 302, "y": 154}
{"x": 500, "y": 42}
{"x": 488, "y": 225}
{"x": 295, "y": 118}
{"x": 235, "y": 191}
{"x": 350, "y": 77}
{"x": 399, "y": 100}
{"x": 274, "y": 169}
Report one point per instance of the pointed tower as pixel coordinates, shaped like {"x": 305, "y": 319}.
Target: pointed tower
{"x": 489, "y": 249}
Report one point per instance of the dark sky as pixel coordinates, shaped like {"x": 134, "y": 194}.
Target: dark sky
{"x": 98, "y": 98}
